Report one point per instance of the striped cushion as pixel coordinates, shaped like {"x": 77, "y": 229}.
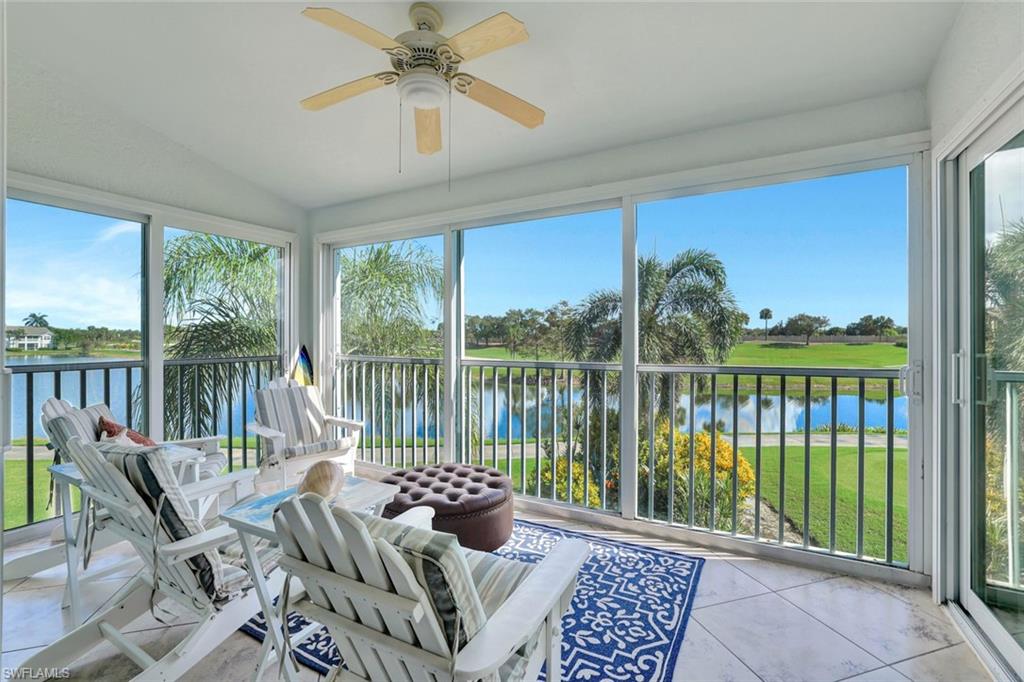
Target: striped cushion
{"x": 495, "y": 577}
{"x": 440, "y": 566}
{"x": 295, "y": 411}
{"x": 83, "y": 423}
{"x": 150, "y": 473}
{"x": 316, "y": 448}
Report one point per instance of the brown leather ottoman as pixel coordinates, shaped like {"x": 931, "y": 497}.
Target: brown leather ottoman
{"x": 473, "y": 502}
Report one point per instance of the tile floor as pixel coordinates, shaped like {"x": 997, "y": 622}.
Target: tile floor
{"x": 752, "y": 619}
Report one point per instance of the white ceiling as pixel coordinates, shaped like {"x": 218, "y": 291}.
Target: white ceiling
{"x": 225, "y": 79}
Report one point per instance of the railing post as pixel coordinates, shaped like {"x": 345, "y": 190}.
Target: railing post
{"x": 628, "y": 422}
{"x": 153, "y": 328}
{"x": 453, "y": 345}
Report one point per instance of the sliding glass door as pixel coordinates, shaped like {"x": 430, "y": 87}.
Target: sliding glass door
{"x": 992, "y": 567}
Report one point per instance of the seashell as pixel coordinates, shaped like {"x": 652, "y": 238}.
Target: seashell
{"x": 325, "y": 478}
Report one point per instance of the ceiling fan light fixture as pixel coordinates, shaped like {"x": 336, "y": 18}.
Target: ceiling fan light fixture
{"x": 422, "y": 89}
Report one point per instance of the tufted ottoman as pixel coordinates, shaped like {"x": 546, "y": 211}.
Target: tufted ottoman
{"x": 473, "y": 502}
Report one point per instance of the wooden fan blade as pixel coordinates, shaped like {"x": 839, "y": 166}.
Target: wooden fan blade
{"x": 348, "y": 25}
{"x": 501, "y": 30}
{"x": 504, "y": 103}
{"x": 340, "y": 93}
{"x": 428, "y": 130}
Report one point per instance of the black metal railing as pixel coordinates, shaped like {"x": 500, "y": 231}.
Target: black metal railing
{"x": 214, "y": 396}
{"x": 202, "y": 397}
{"x": 26, "y": 480}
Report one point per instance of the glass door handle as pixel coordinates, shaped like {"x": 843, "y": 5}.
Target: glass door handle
{"x": 956, "y": 377}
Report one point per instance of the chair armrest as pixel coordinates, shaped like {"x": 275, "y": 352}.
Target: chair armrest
{"x": 197, "y": 544}
{"x": 217, "y": 484}
{"x": 523, "y": 612}
{"x": 344, "y": 423}
{"x": 207, "y": 444}
{"x": 418, "y": 517}
{"x": 265, "y": 431}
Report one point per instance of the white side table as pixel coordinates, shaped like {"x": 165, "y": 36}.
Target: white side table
{"x": 254, "y": 519}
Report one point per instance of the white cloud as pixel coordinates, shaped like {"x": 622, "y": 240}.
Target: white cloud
{"x": 117, "y": 229}
{"x": 76, "y": 294}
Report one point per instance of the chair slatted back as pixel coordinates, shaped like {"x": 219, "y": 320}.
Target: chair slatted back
{"x": 131, "y": 518}
{"x": 358, "y": 574}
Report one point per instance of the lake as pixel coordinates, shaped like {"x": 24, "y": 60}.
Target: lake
{"x": 43, "y": 385}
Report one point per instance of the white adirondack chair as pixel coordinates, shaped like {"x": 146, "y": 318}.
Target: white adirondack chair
{"x": 172, "y": 567}
{"x": 208, "y": 462}
{"x": 296, "y": 432}
{"x": 366, "y": 580}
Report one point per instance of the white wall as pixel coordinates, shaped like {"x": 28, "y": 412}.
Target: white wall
{"x": 986, "y": 41}
{"x": 57, "y": 132}
{"x": 864, "y": 120}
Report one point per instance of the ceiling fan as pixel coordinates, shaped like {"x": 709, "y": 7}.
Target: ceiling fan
{"x": 425, "y": 64}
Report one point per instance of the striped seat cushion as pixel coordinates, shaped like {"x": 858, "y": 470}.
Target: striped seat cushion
{"x": 83, "y": 423}
{"x": 495, "y": 577}
{"x": 295, "y": 411}
{"x": 441, "y": 568}
{"x": 316, "y": 448}
{"x": 150, "y": 473}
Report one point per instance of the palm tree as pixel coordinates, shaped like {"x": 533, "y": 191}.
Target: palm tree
{"x": 220, "y": 301}
{"x": 686, "y": 314}
{"x": 35, "y": 320}
{"x": 765, "y": 314}
{"x": 1004, "y": 298}
{"x": 388, "y": 294}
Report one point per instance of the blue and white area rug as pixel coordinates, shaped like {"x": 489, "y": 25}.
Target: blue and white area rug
{"x": 628, "y": 614}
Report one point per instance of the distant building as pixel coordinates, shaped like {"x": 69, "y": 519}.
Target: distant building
{"x": 28, "y": 338}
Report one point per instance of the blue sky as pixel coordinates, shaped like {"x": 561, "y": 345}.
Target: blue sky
{"x": 832, "y": 246}
{"x": 77, "y": 268}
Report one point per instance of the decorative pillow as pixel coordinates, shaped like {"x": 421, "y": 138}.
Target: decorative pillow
{"x": 121, "y": 438}
{"x": 113, "y": 429}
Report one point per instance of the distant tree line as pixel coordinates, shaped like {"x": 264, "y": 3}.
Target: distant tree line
{"x": 807, "y": 325}
{"x": 522, "y": 331}
{"x": 92, "y": 338}
{"x": 84, "y": 340}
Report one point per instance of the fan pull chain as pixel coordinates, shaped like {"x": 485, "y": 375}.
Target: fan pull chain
{"x": 399, "y": 135}
{"x": 450, "y": 140}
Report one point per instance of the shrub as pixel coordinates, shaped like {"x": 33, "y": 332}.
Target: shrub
{"x": 702, "y": 479}
{"x": 561, "y": 470}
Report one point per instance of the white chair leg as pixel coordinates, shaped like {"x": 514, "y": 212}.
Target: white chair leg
{"x": 553, "y": 645}
{"x": 207, "y": 636}
{"x": 127, "y": 605}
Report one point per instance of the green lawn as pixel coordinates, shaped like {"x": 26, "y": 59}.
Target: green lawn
{"x": 846, "y": 495}
{"x": 873, "y": 355}
{"x": 502, "y": 353}
{"x": 15, "y": 501}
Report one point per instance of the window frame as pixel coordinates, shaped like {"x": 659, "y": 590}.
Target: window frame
{"x": 154, "y": 217}
{"x": 908, "y": 150}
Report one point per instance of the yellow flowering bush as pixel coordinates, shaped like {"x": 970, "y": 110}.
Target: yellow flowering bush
{"x": 561, "y": 471}
{"x": 701, "y": 475}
